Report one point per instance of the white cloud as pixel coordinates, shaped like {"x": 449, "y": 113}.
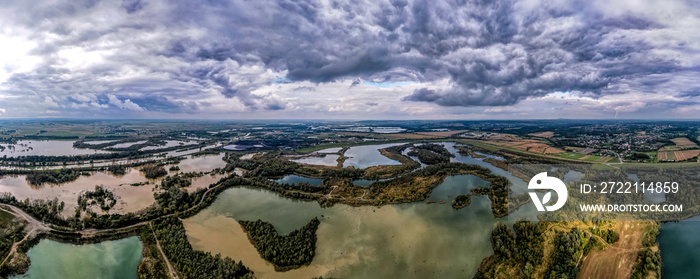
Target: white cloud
{"x": 125, "y": 105}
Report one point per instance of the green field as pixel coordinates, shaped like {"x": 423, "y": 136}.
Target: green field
{"x": 571, "y": 155}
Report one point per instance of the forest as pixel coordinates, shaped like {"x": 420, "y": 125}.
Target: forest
{"x": 54, "y": 176}
{"x": 567, "y": 248}
{"x": 520, "y": 249}
{"x": 152, "y": 265}
{"x": 286, "y": 252}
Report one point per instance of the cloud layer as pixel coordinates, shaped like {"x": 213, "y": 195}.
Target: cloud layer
{"x": 288, "y": 58}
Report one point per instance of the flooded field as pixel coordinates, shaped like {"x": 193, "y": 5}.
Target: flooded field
{"x": 202, "y": 163}
{"x": 44, "y": 148}
{"x": 129, "y": 198}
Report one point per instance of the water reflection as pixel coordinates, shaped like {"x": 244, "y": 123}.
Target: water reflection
{"x": 116, "y": 259}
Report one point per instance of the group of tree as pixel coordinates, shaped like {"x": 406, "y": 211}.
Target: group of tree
{"x": 100, "y": 196}
{"x": 284, "y": 251}
{"x": 461, "y": 201}
{"x": 568, "y": 247}
{"x": 117, "y": 170}
{"x": 54, "y": 176}
{"x": 610, "y": 236}
{"x": 431, "y": 153}
{"x": 647, "y": 265}
{"x": 154, "y": 171}
{"x": 525, "y": 244}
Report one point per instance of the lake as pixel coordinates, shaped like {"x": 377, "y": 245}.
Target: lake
{"x": 680, "y": 236}
{"x": 117, "y": 259}
{"x": 330, "y": 160}
{"x": 365, "y": 156}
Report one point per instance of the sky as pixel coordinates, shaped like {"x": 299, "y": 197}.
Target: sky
{"x": 375, "y": 59}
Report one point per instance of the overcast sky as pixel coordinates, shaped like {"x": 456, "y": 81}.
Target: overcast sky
{"x": 350, "y": 59}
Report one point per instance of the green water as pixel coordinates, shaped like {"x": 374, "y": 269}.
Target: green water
{"x": 678, "y": 242}
{"x": 118, "y": 259}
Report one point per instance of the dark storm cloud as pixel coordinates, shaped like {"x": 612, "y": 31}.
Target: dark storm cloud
{"x": 488, "y": 53}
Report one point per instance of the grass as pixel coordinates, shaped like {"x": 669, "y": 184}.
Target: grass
{"x": 592, "y": 158}
{"x": 571, "y": 155}
{"x": 5, "y": 217}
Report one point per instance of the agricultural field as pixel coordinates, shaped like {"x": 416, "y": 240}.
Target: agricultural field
{"x": 571, "y": 155}
{"x": 686, "y": 154}
{"x": 684, "y": 143}
{"x": 666, "y": 155}
{"x": 547, "y": 134}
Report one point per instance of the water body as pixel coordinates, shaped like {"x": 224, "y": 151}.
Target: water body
{"x": 456, "y": 185}
{"x": 365, "y": 156}
{"x": 680, "y": 236}
{"x": 118, "y": 259}
{"x": 292, "y": 178}
{"x": 649, "y": 196}
{"x": 129, "y": 198}
{"x": 414, "y": 240}
{"x": 202, "y": 163}
{"x": 330, "y": 160}
{"x": 330, "y": 150}
{"x": 45, "y": 148}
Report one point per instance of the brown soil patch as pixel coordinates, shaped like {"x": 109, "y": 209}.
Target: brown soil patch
{"x": 683, "y": 142}
{"x": 616, "y": 260}
{"x": 662, "y": 155}
{"x": 686, "y": 154}
{"x": 553, "y": 150}
{"x": 537, "y": 149}
{"x": 585, "y": 157}
{"x": 547, "y": 134}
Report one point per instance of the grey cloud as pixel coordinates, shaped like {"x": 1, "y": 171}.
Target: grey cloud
{"x": 492, "y": 52}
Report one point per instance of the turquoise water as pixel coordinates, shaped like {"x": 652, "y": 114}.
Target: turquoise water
{"x": 117, "y": 259}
